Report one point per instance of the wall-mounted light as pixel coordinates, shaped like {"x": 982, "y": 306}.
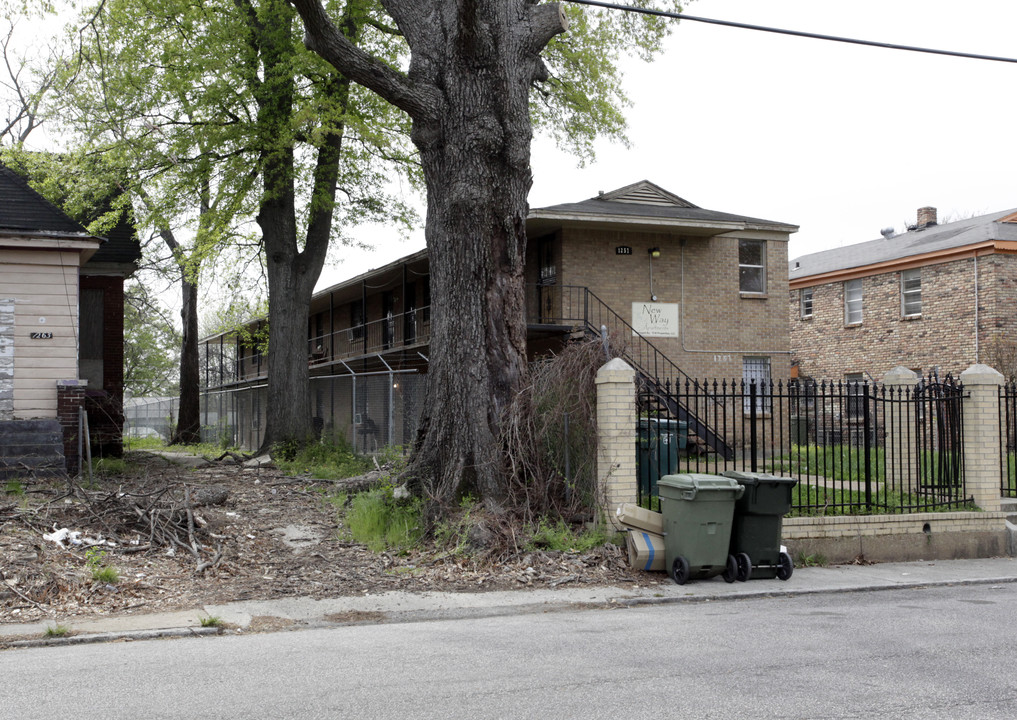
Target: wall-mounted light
{"x": 654, "y": 253}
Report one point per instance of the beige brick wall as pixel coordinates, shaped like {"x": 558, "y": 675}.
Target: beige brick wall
{"x": 718, "y": 325}
{"x": 897, "y": 538}
{"x": 943, "y": 337}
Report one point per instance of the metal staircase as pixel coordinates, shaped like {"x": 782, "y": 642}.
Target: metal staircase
{"x": 570, "y": 308}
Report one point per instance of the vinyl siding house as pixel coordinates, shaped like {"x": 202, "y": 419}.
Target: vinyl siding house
{"x": 935, "y": 298}
{"x": 61, "y": 331}
{"x": 688, "y": 292}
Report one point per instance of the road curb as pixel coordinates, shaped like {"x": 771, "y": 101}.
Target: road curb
{"x": 796, "y": 592}
{"x": 111, "y": 637}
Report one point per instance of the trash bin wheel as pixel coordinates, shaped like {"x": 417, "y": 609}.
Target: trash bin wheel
{"x": 785, "y": 566}
{"x": 731, "y": 571}
{"x": 744, "y": 566}
{"x": 680, "y": 570}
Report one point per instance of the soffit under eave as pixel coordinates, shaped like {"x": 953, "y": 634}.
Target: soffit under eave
{"x": 387, "y": 277}
{"x": 124, "y": 270}
{"x": 543, "y": 224}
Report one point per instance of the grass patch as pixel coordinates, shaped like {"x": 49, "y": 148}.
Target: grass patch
{"x": 380, "y": 521}
{"x": 558, "y": 535}
{"x": 110, "y": 467}
{"x": 57, "y": 631}
{"x": 811, "y": 560}
{"x": 14, "y": 488}
{"x": 95, "y": 560}
{"x": 338, "y": 500}
{"x": 324, "y": 461}
{"x": 145, "y": 443}
{"x": 210, "y": 621}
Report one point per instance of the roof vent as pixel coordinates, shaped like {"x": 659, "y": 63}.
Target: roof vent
{"x": 887, "y": 233}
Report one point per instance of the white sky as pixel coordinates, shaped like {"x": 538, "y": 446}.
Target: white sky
{"x": 842, "y": 140}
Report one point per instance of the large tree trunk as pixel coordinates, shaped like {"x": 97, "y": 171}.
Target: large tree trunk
{"x": 188, "y": 429}
{"x": 290, "y": 284}
{"x": 476, "y": 163}
{"x": 467, "y": 90}
{"x": 292, "y": 272}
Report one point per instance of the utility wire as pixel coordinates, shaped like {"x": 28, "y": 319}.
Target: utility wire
{"x": 796, "y": 33}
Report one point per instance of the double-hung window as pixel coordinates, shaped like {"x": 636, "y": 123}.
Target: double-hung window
{"x": 756, "y": 371}
{"x": 911, "y": 293}
{"x": 806, "y": 303}
{"x": 853, "y": 302}
{"x": 857, "y": 391}
{"x": 752, "y": 266}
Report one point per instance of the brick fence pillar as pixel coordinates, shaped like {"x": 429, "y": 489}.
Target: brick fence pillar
{"x": 616, "y": 425}
{"x": 901, "y": 429}
{"x": 70, "y": 396}
{"x": 982, "y": 448}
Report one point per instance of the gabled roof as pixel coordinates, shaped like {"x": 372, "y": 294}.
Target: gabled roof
{"x": 23, "y": 211}
{"x": 937, "y": 239}
{"x": 645, "y": 205}
{"x": 120, "y": 247}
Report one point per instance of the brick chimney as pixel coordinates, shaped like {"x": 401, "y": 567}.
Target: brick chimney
{"x": 926, "y": 217}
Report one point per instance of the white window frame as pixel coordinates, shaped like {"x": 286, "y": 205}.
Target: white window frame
{"x": 757, "y": 368}
{"x": 806, "y": 299}
{"x": 752, "y": 270}
{"x": 912, "y": 295}
{"x": 853, "y": 302}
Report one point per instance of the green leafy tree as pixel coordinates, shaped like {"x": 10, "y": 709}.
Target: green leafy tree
{"x": 222, "y": 124}
{"x": 151, "y": 345}
{"x": 468, "y": 89}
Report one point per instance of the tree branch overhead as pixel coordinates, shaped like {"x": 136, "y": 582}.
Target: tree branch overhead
{"x": 324, "y": 38}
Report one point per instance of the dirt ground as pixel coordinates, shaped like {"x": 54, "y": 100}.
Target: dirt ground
{"x": 183, "y": 538}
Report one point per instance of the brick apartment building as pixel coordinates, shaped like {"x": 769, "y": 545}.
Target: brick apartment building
{"x": 697, "y": 290}
{"x": 934, "y": 298}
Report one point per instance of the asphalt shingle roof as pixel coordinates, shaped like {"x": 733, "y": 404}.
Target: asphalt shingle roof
{"x": 22, "y": 209}
{"x": 936, "y": 238}
{"x": 647, "y": 200}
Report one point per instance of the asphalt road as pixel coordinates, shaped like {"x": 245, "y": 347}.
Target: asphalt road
{"x": 943, "y": 652}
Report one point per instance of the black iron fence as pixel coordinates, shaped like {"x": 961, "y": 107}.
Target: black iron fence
{"x": 1008, "y": 437}
{"x": 854, "y": 447}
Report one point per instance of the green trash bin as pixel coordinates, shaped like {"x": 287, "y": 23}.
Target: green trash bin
{"x": 660, "y": 440}
{"x": 756, "y": 529}
{"x": 698, "y": 510}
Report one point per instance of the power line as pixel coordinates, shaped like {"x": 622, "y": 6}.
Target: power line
{"x": 795, "y": 33}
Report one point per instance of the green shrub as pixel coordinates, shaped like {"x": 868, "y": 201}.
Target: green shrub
{"x": 381, "y": 522}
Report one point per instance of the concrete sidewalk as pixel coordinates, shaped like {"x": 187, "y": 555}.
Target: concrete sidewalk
{"x": 303, "y": 612}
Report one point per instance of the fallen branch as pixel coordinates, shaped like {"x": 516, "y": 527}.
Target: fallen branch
{"x": 3, "y": 576}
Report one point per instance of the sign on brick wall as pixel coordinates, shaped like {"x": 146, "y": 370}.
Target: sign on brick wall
{"x": 655, "y": 319}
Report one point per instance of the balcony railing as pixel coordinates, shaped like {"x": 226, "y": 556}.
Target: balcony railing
{"x": 379, "y": 336}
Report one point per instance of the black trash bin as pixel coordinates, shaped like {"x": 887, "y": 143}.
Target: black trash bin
{"x": 756, "y": 526}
